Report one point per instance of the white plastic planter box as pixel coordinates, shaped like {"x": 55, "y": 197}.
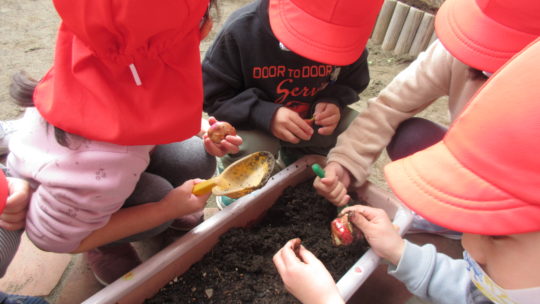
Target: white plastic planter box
{"x": 149, "y": 277}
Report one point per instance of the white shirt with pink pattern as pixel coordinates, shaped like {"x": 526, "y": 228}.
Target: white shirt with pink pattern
{"x": 76, "y": 189}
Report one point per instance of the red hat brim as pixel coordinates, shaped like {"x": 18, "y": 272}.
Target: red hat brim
{"x": 320, "y": 40}
{"x": 483, "y": 177}
{"x": 476, "y": 39}
{"x": 434, "y": 184}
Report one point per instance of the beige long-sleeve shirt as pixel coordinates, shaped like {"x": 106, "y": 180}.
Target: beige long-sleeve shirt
{"x": 435, "y": 73}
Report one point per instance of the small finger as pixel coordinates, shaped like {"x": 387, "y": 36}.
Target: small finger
{"x": 290, "y": 137}
{"x": 16, "y": 204}
{"x": 368, "y": 213}
{"x": 317, "y": 183}
{"x": 329, "y": 120}
{"x": 228, "y": 147}
{"x": 321, "y": 116}
{"x": 324, "y": 190}
{"x": 300, "y": 127}
{"x": 307, "y": 256}
{"x": 288, "y": 253}
{"x": 301, "y": 133}
{"x": 13, "y": 217}
{"x": 12, "y": 226}
{"x": 320, "y": 108}
{"x": 325, "y": 130}
{"x": 212, "y": 120}
{"x": 329, "y": 182}
{"x": 338, "y": 190}
{"x": 359, "y": 220}
{"x": 278, "y": 261}
{"x": 234, "y": 139}
{"x": 208, "y": 144}
{"x": 355, "y": 208}
{"x": 344, "y": 201}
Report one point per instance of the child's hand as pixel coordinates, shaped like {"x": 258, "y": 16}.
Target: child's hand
{"x": 14, "y": 214}
{"x": 334, "y": 185}
{"x": 327, "y": 116}
{"x": 381, "y": 234}
{"x": 288, "y": 126}
{"x": 230, "y": 144}
{"x": 180, "y": 201}
{"x": 304, "y": 276}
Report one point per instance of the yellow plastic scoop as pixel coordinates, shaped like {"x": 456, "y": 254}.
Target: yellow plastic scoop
{"x": 241, "y": 177}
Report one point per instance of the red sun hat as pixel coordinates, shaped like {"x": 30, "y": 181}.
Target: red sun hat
{"x": 126, "y": 72}
{"x": 4, "y": 191}
{"x": 328, "y": 31}
{"x": 483, "y": 177}
{"x": 484, "y": 34}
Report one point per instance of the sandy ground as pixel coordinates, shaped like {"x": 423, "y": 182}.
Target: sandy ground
{"x": 27, "y": 41}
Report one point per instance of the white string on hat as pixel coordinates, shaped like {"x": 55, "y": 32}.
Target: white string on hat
{"x": 135, "y": 74}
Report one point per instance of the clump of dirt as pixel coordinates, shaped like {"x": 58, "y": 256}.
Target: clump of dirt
{"x": 239, "y": 269}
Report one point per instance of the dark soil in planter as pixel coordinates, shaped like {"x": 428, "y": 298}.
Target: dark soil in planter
{"x": 239, "y": 269}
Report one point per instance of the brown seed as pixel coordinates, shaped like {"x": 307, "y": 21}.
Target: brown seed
{"x": 296, "y": 246}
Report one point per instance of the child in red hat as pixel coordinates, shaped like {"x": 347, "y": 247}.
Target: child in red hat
{"x": 110, "y": 147}
{"x": 481, "y": 179}
{"x": 476, "y": 37}
{"x": 283, "y": 72}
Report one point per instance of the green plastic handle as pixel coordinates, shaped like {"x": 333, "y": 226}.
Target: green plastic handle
{"x": 318, "y": 170}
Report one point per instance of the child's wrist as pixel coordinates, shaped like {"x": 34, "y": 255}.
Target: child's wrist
{"x": 163, "y": 207}
{"x": 334, "y": 299}
{"x": 397, "y": 253}
{"x": 328, "y": 295}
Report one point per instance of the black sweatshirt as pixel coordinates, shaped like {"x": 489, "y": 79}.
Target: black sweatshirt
{"x": 247, "y": 76}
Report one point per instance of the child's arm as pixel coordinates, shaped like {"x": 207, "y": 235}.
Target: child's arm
{"x": 230, "y": 144}
{"x": 378, "y": 230}
{"x": 129, "y": 221}
{"x": 78, "y": 202}
{"x": 333, "y": 186}
{"x": 341, "y": 92}
{"x": 435, "y": 277}
{"x": 288, "y": 126}
{"x": 304, "y": 276}
{"x": 427, "y": 274}
{"x": 327, "y": 116}
{"x": 12, "y": 220}
{"x": 14, "y": 215}
{"x": 411, "y": 91}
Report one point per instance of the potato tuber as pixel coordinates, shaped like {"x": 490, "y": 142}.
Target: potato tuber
{"x": 343, "y": 231}
{"x": 219, "y": 130}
